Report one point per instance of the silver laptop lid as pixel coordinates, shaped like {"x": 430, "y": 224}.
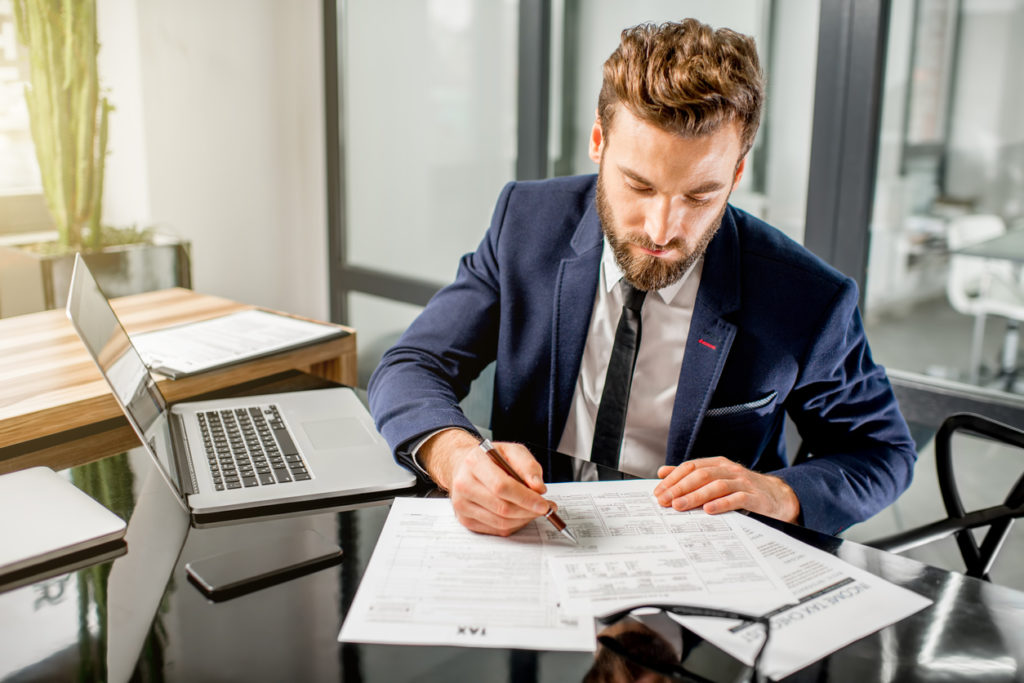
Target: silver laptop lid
{"x": 122, "y": 366}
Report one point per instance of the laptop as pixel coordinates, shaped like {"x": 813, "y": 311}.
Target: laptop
{"x": 238, "y": 458}
{"x": 51, "y": 527}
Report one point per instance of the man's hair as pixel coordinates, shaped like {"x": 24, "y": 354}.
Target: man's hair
{"x": 685, "y": 78}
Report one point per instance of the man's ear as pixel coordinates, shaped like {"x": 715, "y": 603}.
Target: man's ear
{"x": 597, "y": 140}
{"x": 739, "y": 172}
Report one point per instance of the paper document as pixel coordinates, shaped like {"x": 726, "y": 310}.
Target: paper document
{"x": 195, "y": 347}
{"x": 838, "y": 604}
{"x": 633, "y": 550}
{"x": 431, "y": 581}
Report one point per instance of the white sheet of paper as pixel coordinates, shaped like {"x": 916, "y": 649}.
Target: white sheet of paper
{"x": 207, "y": 344}
{"x": 838, "y": 604}
{"x": 431, "y": 581}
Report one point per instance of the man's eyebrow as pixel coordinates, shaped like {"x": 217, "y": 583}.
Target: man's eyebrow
{"x": 707, "y": 188}
{"x": 635, "y": 176}
{"x": 704, "y": 188}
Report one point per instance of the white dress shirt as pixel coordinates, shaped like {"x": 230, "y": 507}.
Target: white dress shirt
{"x": 665, "y": 326}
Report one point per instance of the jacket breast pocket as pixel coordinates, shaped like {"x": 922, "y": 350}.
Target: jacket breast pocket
{"x": 739, "y": 413}
{"x": 739, "y": 431}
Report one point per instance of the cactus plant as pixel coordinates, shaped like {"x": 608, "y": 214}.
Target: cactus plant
{"x": 68, "y": 118}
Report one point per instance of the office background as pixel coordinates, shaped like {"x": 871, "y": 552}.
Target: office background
{"x": 334, "y": 158}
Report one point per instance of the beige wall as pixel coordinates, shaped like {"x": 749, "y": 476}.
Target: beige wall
{"x": 219, "y": 137}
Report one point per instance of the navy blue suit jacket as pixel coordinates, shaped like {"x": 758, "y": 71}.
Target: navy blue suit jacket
{"x": 774, "y": 330}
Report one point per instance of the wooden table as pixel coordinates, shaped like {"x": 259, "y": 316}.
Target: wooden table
{"x": 57, "y": 410}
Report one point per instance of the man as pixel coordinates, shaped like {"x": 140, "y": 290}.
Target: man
{"x": 731, "y": 324}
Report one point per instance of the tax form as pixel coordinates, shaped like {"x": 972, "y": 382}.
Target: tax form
{"x": 837, "y": 604}
{"x": 633, "y": 550}
{"x": 430, "y": 581}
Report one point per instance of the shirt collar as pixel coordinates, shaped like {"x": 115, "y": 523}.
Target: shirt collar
{"x": 612, "y": 274}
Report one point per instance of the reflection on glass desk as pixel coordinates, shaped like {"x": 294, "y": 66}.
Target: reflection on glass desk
{"x": 138, "y": 615}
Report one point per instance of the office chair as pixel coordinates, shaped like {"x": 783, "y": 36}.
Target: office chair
{"x": 978, "y": 558}
{"x": 981, "y": 287}
{"x": 926, "y": 402}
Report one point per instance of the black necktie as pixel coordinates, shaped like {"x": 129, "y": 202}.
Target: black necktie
{"x": 611, "y": 414}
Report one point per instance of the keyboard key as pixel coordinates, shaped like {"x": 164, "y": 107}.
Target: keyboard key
{"x": 267, "y": 479}
{"x": 302, "y": 477}
{"x": 285, "y": 441}
{"x": 249, "y": 481}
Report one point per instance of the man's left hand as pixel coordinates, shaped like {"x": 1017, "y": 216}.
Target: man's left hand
{"x": 720, "y": 485}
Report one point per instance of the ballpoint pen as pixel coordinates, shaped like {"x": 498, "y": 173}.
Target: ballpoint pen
{"x": 551, "y": 516}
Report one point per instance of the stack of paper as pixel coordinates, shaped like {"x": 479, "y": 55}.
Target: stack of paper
{"x": 431, "y": 581}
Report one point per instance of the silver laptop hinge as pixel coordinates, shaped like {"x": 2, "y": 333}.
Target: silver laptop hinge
{"x": 182, "y": 454}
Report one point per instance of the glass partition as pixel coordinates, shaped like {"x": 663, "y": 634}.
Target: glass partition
{"x": 428, "y": 101}
{"x": 950, "y": 178}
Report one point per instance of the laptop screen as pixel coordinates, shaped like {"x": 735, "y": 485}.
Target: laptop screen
{"x": 121, "y": 365}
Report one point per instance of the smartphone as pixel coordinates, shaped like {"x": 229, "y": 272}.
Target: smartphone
{"x": 252, "y": 568}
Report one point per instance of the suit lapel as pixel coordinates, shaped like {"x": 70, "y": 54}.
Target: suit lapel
{"x": 575, "y": 288}
{"x": 711, "y": 336}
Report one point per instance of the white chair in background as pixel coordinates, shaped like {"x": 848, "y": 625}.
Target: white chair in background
{"x": 984, "y": 286}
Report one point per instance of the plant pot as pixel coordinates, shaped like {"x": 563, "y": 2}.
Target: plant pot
{"x": 31, "y": 282}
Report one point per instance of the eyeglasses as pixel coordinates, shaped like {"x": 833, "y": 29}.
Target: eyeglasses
{"x": 650, "y": 646}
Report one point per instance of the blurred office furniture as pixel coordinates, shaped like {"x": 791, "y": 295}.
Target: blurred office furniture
{"x": 982, "y": 281}
{"x": 927, "y": 401}
{"x": 978, "y": 557}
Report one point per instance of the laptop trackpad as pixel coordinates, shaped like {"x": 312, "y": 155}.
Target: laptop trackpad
{"x": 337, "y": 432}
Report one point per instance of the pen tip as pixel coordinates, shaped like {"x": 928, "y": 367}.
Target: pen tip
{"x": 572, "y": 537}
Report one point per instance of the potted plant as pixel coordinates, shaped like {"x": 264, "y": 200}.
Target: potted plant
{"x": 69, "y": 122}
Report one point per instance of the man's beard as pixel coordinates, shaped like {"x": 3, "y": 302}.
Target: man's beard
{"x": 644, "y": 271}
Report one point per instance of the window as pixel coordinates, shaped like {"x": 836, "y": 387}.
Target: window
{"x": 22, "y": 207}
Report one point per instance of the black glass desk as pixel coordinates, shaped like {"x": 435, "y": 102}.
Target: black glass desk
{"x": 137, "y": 615}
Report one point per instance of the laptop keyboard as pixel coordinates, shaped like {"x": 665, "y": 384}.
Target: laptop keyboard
{"x": 250, "y": 447}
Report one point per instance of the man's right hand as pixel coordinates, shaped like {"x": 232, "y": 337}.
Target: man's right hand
{"x": 485, "y": 498}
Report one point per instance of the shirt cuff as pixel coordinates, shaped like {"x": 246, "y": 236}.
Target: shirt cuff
{"x": 414, "y": 448}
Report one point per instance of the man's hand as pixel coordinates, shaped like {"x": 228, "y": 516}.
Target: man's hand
{"x": 719, "y": 485}
{"x": 485, "y": 498}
